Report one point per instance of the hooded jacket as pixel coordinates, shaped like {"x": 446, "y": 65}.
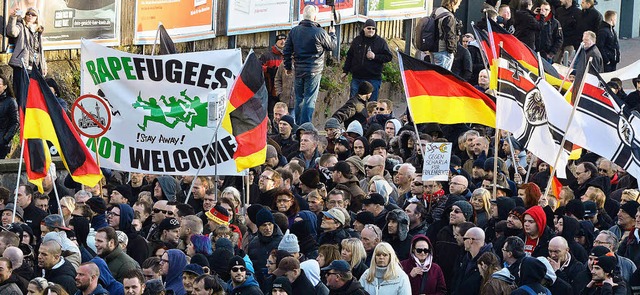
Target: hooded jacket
{"x": 137, "y": 246}
{"x": 607, "y": 42}
{"x": 107, "y": 280}
{"x": 170, "y": 188}
{"x": 354, "y": 109}
{"x": 544, "y": 233}
{"x": 570, "y": 229}
{"x": 173, "y": 279}
{"x": 357, "y": 62}
{"x": 249, "y": 287}
{"x": 401, "y": 241}
{"x": 430, "y": 281}
{"x": 396, "y": 286}
{"x": 500, "y": 282}
{"x": 10, "y": 286}
{"x": 259, "y": 249}
{"x": 532, "y": 273}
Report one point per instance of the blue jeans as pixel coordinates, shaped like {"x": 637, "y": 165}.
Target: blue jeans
{"x": 355, "y": 84}
{"x": 443, "y": 59}
{"x": 306, "y": 89}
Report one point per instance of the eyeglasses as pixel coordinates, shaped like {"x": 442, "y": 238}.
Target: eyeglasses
{"x": 283, "y": 201}
{"x": 265, "y": 177}
{"x": 238, "y": 269}
{"x": 156, "y": 210}
{"x": 112, "y": 214}
{"x": 596, "y": 242}
{"x": 31, "y": 14}
{"x": 370, "y": 166}
{"x": 457, "y": 211}
{"x": 381, "y": 109}
{"x": 163, "y": 261}
{"x": 602, "y": 170}
{"x": 423, "y": 250}
{"x": 418, "y": 183}
{"x": 466, "y": 238}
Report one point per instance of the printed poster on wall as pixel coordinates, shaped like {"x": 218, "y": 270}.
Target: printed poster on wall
{"x": 397, "y": 9}
{"x": 250, "y": 16}
{"x": 185, "y": 20}
{"x": 66, "y": 22}
{"x": 346, "y": 8}
{"x": 159, "y": 109}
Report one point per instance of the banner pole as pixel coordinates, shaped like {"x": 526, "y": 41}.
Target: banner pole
{"x": 95, "y": 143}
{"x": 564, "y": 137}
{"x": 513, "y": 156}
{"x": 15, "y": 196}
{"x": 406, "y": 93}
{"x": 575, "y": 56}
{"x": 496, "y": 142}
{"x": 52, "y": 174}
{"x": 153, "y": 49}
{"x": 533, "y": 159}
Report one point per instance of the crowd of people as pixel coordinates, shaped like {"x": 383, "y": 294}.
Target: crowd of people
{"x": 344, "y": 210}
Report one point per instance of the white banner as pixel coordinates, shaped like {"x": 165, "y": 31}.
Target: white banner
{"x": 159, "y": 109}
{"x": 437, "y": 158}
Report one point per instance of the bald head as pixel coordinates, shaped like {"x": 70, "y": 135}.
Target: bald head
{"x": 458, "y": 185}
{"x": 15, "y": 255}
{"x": 90, "y": 268}
{"x": 559, "y": 242}
{"x": 477, "y": 234}
{"x": 376, "y": 160}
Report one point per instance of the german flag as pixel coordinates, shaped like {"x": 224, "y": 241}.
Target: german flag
{"x": 44, "y": 119}
{"x": 518, "y": 50}
{"x": 556, "y": 187}
{"x": 246, "y": 115}
{"x": 436, "y": 95}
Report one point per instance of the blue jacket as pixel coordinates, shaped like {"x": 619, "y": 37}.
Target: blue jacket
{"x": 249, "y": 287}
{"x": 98, "y": 291}
{"x": 107, "y": 280}
{"x": 99, "y": 221}
{"x": 137, "y": 246}
{"x": 306, "y": 44}
{"x": 173, "y": 280}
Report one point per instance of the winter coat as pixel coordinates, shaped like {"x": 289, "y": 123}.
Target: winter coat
{"x": 9, "y": 122}
{"x": 137, "y": 245}
{"x": 99, "y": 290}
{"x": 270, "y": 61}
{"x": 532, "y": 272}
{"x": 173, "y": 280}
{"x": 357, "y": 62}
{"x": 283, "y": 85}
{"x": 448, "y": 37}
{"x": 569, "y": 231}
{"x": 607, "y": 42}
{"x": 606, "y": 289}
{"x": 549, "y": 40}
{"x": 10, "y": 286}
{"x": 249, "y": 287}
{"x": 589, "y": 20}
{"x": 334, "y": 237}
{"x": 259, "y": 249}
{"x": 463, "y": 64}
{"x": 467, "y": 278}
{"x": 544, "y": 232}
{"x": 568, "y": 18}
{"x": 430, "y": 282}
{"x": 357, "y": 195}
{"x": 399, "y": 285}
{"x": 527, "y": 27}
{"x": 353, "y": 109}
{"x": 65, "y": 276}
{"x": 630, "y": 248}
{"x": 106, "y": 279}
{"x": 352, "y": 287}
{"x": 16, "y": 29}
{"x": 501, "y": 282}
{"x": 575, "y": 275}
{"x": 119, "y": 263}
{"x": 306, "y": 44}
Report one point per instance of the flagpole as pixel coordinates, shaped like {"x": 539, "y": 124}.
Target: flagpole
{"x": 535, "y": 158}
{"x": 406, "y": 95}
{"x": 491, "y": 40}
{"x": 513, "y": 156}
{"x": 564, "y": 137}
{"x": 485, "y": 59}
{"x": 575, "y": 56}
{"x": 15, "y": 196}
{"x": 153, "y": 49}
{"x": 95, "y": 143}
{"x": 495, "y": 162}
{"x": 52, "y": 174}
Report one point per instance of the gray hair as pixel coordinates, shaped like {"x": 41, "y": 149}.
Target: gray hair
{"x": 612, "y": 239}
{"x": 310, "y": 12}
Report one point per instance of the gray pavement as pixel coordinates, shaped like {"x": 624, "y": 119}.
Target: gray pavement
{"x": 629, "y": 53}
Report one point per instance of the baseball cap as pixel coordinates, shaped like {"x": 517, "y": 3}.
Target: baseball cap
{"x": 373, "y": 198}
{"x": 342, "y": 167}
{"x": 335, "y": 213}
{"x": 55, "y": 221}
{"x": 339, "y": 265}
{"x": 168, "y": 224}
{"x": 590, "y": 209}
{"x": 285, "y": 265}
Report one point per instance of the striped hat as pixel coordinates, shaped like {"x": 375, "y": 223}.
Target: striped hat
{"x": 219, "y": 215}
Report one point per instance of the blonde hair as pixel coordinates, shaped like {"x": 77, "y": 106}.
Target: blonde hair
{"x": 358, "y": 253}
{"x": 630, "y": 194}
{"x": 485, "y": 195}
{"x": 393, "y": 269}
{"x": 68, "y": 202}
{"x": 597, "y": 196}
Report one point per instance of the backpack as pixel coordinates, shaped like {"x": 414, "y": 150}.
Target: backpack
{"x": 427, "y": 34}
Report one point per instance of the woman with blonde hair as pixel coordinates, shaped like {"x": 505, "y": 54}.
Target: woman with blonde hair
{"x": 354, "y": 253}
{"x": 385, "y": 275}
{"x": 68, "y": 205}
{"x": 481, "y": 202}
{"x": 37, "y": 285}
{"x": 629, "y": 195}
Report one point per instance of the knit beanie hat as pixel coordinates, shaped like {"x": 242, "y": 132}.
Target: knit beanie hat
{"x": 467, "y": 209}
{"x": 289, "y": 243}
{"x": 608, "y": 262}
{"x": 365, "y": 217}
{"x": 598, "y": 251}
{"x": 289, "y": 120}
{"x": 332, "y": 123}
{"x": 365, "y": 87}
{"x": 518, "y": 212}
{"x": 630, "y": 208}
{"x": 252, "y": 211}
{"x": 219, "y": 215}
{"x": 282, "y": 283}
{"x": 310, "y": 178}
{"x": 576, "y": 208}
{"x": 263, "y": 217}
{"x": 370, "y": 23}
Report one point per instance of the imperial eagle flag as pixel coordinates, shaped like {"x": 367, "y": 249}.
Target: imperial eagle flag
{"x": 522, "y": 111}
{"x": 435, "y": 94}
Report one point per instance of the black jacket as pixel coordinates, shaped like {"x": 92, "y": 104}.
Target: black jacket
{"x": 33, "y": 216}
{"x": 354, "y": 109}
{"x": 463, "y": 64}
{"x": 8, "y": 118}
{"x": 65, "y": 275}
{"x": 357, "y": 62}
{"x": 575, "y": 275}
{"x": 568, "y": 18}
{"x": 306, "y": 44}
{"x": 352, "y": 287}
{"x": 549, "y": 40}
{"x": 526, "y": 27}
{"x": 607, "y": 42}
{"x": 590, "y": 20}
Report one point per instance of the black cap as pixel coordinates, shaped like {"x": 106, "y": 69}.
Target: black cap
{"x": 377, "y": 143}
{"x": 281, "y": 36}
{"x": 590, "y": 209}
{"x": 342, "y": 167}
{"x": 373, "y": 198}
{"x": 97, "y": 205}
{"x": 237, "y": 261}
{"x": 365, "y": 217}
{"x": 168, "y": 224}
{"x": 365, "y": 88}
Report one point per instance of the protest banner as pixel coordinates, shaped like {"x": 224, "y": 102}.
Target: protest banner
{"x": 437, "y": 157}
{"x": 185, "y": 20}
{"x": 159, "y": 109}
{"x": 68, "y": 21}
{"x": 247, "y": 16}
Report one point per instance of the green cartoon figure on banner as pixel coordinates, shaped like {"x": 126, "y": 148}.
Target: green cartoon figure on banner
{"x": 191, "y": 111}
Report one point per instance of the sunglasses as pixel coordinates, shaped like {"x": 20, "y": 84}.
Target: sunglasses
{"x": 238, "y": 269}
{"x": 423, "y": 250}
{"x": 370, "y": 167}
{"x": 417, "y": 183}
{"x": 31, "y": 14}
{"x": 167, "y": 212}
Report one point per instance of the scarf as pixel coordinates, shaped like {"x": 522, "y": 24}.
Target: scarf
{"x": 426, "y": 265}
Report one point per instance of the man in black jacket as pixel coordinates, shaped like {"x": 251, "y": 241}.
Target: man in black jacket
{"x": 32, "y": 214}
{"x": 355, "y": 109}
{"x": 8, "y": 118}
{"x": 568, "y": 15}
{"x": 365, "y": 59}
{"x": 590, "y": 18}
{"x": 340, "y": 280}
{"x": 525, "y": 24}
{"x": 549, "y": 40}
{"x": 56, "y": 268}
{"x": 607, "y": 41}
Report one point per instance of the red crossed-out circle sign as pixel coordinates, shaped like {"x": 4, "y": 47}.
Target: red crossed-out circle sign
{"x": 91, "y": 115}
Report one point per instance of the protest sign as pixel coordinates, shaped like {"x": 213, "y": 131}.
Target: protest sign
{"x": 159, "y": 109}
{"x": 437, "y": 157}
